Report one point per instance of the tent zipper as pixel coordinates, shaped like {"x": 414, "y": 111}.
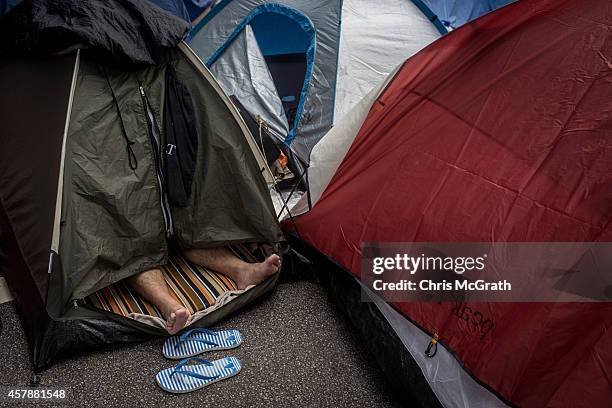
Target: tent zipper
{"x": 154, "y": 136}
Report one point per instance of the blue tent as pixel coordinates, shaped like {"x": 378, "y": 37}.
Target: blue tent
{"x": 301, "y": 65}
{"x": 455, "y": 13}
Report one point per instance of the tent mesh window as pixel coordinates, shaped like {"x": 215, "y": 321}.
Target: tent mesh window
{"x": 195, "y": 287}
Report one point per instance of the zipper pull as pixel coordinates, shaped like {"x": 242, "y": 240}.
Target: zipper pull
{"x": 75, "y": 304}
{"x": 142, "y": 93}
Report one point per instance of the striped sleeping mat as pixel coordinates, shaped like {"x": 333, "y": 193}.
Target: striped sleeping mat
{"x": 193, "y": 286}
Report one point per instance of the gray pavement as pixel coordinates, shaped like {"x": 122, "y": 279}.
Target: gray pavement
{"x": 298, "y": 352}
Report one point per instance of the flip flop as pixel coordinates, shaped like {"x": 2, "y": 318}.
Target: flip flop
{"x": 196, "y": 341}
{"x": 186, "y": 377}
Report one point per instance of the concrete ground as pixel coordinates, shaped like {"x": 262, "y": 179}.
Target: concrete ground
{"x": 298, "y": 352}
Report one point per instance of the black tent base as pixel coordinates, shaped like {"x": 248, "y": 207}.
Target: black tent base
{"x": 396, "y": 363}
{"x": 64, "y": 338}
{"x": 50, "y": 339}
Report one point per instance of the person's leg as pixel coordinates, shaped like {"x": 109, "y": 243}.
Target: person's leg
{"x": 152, "y": 286}
{"x": 222, "y": 260}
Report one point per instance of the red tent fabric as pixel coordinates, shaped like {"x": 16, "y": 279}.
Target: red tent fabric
{"x": 499, "y": 132}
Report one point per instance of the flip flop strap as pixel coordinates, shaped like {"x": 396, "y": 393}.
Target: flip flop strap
{"x": 184, "y": 337}
{"x": 187, "y": 360}
{"x": 181, "y": 342}
{"x": 197, "y": 330}
{"x": 177, "y": 369}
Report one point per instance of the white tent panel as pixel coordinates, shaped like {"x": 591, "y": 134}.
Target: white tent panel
{"x": 453, "y": 386}
{"x": 242, "y": 71}
{"x": 327, "y": 155}
{"x": 375, "y": 37}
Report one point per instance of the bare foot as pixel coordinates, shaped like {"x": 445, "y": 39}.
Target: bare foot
{"x": 256, "y": 273}
{"x": 176, "y": 317}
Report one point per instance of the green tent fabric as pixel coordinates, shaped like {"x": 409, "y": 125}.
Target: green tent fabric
{"x": 81, "y": 205}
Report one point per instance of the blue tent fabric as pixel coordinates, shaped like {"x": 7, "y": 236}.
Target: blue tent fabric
{"x": 455, "y": 13}
{"x": 303, "y": 36}
{"x": 6, "y": 5}
{"x": 196, "y": 7}
{"x": 176, "y": 7}
{"x": 353, "y": 73}
{"x": 277, "y": 34}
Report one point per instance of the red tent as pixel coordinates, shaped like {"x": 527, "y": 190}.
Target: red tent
{"x": 499, "y": 132}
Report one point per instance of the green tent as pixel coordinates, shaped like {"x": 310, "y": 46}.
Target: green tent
{"x": 84, "y": 203}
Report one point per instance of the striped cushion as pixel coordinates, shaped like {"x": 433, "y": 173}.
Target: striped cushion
{"x": 193, "y": 286}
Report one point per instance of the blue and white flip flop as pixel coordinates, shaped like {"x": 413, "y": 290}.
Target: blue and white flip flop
{"x": 186, "y": 377}
{"x": 196, "y": 341}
